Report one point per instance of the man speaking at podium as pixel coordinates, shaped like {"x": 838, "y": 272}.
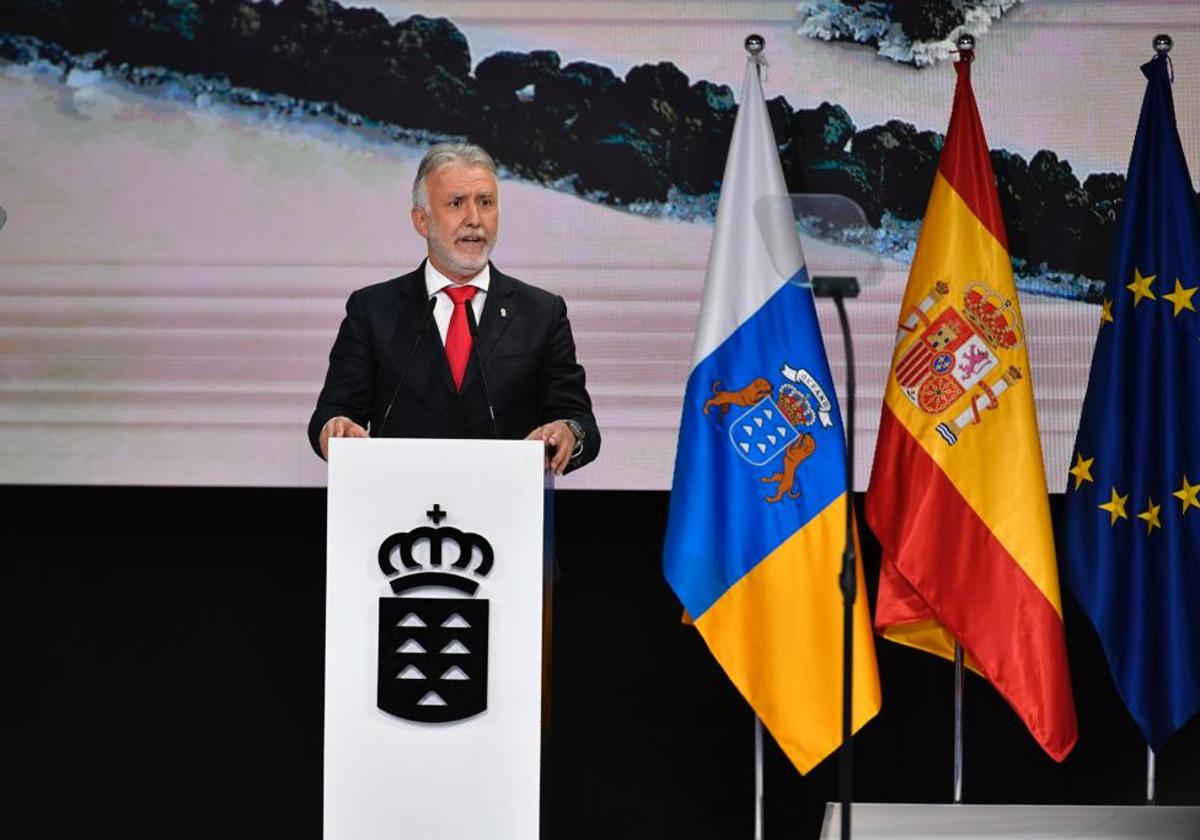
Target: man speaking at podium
{"x": 456, "y": 349}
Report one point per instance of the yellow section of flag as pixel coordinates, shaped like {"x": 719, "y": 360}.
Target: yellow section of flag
{"x": 793, "y": 594}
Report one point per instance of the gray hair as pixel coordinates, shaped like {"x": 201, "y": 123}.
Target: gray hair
{"x": 441, "y": 155}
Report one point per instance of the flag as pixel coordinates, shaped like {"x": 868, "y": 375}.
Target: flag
{"x": 757, "y": 519}
{"x": 1132, "y": 515}
{"x": 958, "y": 494}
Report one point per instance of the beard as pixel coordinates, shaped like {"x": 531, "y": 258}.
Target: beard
{"x": 456, "y": 259}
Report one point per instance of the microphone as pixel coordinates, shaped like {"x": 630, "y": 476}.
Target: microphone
{"x": 422, "y": 325}
{"x": 473, "y": 328}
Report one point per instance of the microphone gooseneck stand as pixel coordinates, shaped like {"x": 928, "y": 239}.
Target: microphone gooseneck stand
{"x": 473, "y": 328}
{"x": 422, "y": 325}
{"x": 840, "y": 288}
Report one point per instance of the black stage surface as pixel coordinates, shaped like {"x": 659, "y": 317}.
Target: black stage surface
{"x": 163, "y": 679}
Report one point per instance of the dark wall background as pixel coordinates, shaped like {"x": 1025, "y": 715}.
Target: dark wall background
{"x": 163, "y": 678}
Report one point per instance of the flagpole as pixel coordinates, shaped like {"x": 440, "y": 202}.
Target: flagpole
{"x": 958, "y": 723}
{"x": 754, "y": 45}
{"x": 758, "y": 778}
{"x": 1149, "y": 775}
{"x": 1162, "y": 44}
{"x": 964, "y": 44}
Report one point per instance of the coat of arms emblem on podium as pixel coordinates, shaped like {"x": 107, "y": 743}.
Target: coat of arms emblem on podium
{"x": 433, "y": 660}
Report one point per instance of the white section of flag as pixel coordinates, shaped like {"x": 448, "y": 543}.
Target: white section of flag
{"x": 755, "y": 246}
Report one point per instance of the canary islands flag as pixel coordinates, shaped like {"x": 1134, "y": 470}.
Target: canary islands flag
{"x": 758, "y": 505}
{"x": 958, "y": 494}
{"x": 1132, "y": 529}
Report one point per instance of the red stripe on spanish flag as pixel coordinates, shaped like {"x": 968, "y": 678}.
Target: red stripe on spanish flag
{"x": 999, "y": 625}
{"x": 958, "y": 490}
{"x": 960, "y": 164}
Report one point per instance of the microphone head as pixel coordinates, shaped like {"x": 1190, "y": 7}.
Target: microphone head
{"x": 426, "y": 316}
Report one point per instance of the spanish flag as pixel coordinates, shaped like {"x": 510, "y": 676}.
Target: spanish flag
{"x": 958, "y": 494}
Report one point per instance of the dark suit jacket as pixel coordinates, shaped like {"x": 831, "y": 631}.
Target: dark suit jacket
{"x": 528, "y": 354}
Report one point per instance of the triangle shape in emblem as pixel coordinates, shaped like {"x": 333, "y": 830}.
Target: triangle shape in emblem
{"x": 782, "y": 431}
{"x": 410, "y": 646}
{"x": 745, "y": 447}
{"x": 770, "y": 415}
{"x": 431, "y": 699}
{"x": 412, "y": 672}
{"x": 454, "y": 673}
{"x": 748, "y": 430}
{"x": 772, "y": 438}
{"x": 411, "y": 620}
{"x": 762, "y": 447}
{"x": 455, "y": 647}
{"x": 456, "y": 621}
{"x": 758, "y": 421}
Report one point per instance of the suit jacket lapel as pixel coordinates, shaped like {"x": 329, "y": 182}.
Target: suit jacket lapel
{"x": 498, "y": 313}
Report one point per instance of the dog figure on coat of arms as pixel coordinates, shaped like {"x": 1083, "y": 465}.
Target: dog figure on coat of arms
{"x": 754, "y": 392}
{"x": 793, "y": 457}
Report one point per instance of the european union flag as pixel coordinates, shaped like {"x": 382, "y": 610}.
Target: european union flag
{"x": 1132, "y": 532}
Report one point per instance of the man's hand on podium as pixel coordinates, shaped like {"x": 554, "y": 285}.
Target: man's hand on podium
{"x": 339, "y": 427}
{"x": 559, "y": 439}
{"x": 560, "y": 444}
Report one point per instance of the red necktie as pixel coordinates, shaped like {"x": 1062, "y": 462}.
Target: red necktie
{"x": 458, "y": 336}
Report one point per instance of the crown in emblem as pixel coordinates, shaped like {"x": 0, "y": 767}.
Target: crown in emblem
{"x": 424, "y": 567}
{"x": 992, "y": 316}
{"x": 795, "y": 406}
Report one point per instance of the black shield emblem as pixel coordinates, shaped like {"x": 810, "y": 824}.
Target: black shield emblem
{"x": 433, "y": 658}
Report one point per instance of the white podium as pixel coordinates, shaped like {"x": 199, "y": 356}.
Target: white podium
{"x": 436, "y": 639}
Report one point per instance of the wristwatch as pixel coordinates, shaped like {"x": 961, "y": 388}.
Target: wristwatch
{"x": 580, "y": 435}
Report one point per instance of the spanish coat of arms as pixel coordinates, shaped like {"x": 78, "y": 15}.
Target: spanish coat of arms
{"x": 947, "y": 352}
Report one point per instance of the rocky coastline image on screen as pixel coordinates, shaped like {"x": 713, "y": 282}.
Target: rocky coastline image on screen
{"x": 653, "y": 142}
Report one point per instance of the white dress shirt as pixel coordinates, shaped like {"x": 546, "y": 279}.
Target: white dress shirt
{"x": 435, "y": 282}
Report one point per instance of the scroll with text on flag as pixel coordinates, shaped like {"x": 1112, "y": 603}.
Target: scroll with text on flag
{"x": 958, "y": 490}
{"x": 1132, "y": 518}
{"x": 757, "y": 518}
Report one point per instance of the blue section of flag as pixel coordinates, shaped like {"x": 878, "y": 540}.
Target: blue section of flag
{"x": 1138, "y": 576}
{"x": 720, "y": 524}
